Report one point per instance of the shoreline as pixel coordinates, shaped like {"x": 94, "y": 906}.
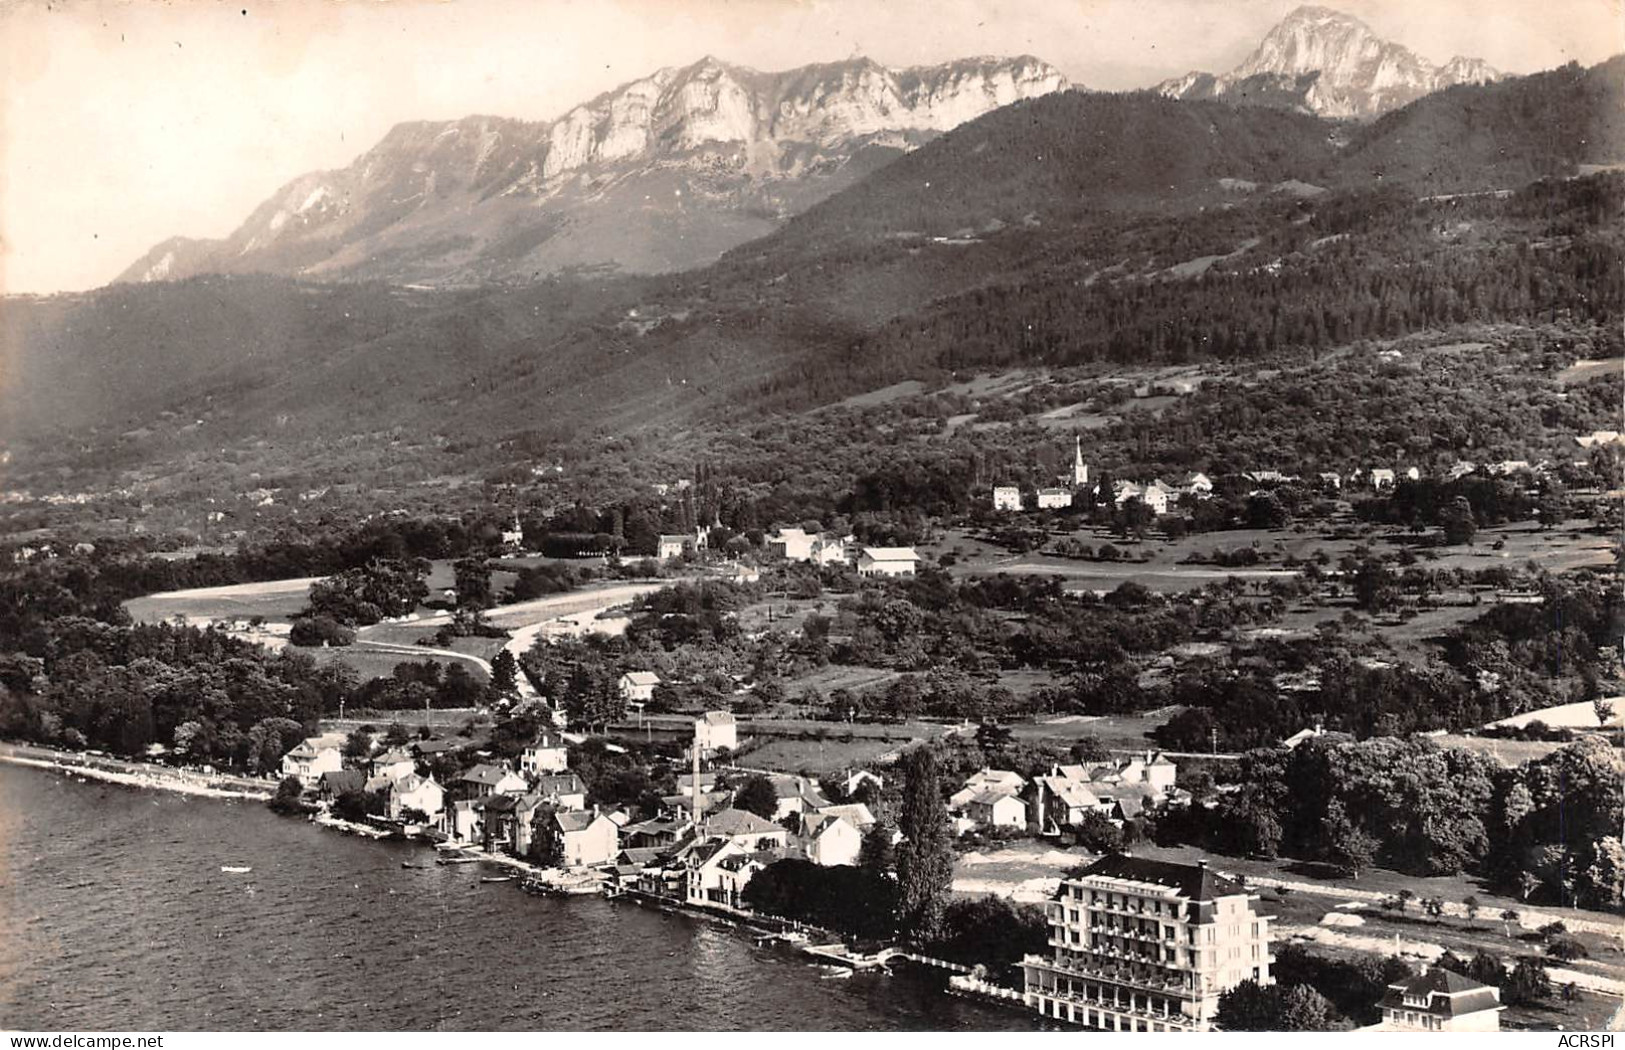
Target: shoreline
{"x": 135, "y": 774}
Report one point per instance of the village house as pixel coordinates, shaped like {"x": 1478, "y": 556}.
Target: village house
{"x": 1007, "y": 781}
{"x": 1057, "y": 802}
{"x": 1147, "y": 946}
{"x": 1438, "y": 1000}
{"x": 1197, "y": 484}
{"x": 816, "y": 547}
{"x": 1006, "y": 497}
{"x": 659, "y": 834}
{"x": 546, "y": 754}
{"x": 394, "y": 764}
{"x": 638, "y": 687}
{"x": 1154, "y": 495}
{"x": 1331, "y": 481}
{"x": 462, "y": 821}
{"x": 563, "y": 790}
{"x": 1599, "y": 437}
{"x": 579, "y": 838}
{"x": 427, "y": 749}
{"x": 719, "y": 870}
{"x": 1115, "y": 790}
{"x": 858, "y": 778}
{"x": 332, "y": 784}
{"x": 1054, "y": 499}
{"x": 672, "y": 546}
{"x": 485, "y": 779}
{"x": 714, "y": 731}
{"x": 995, "y": 809}
{"x": 313, "y": 757}
{"x": 887, "y": 561}
{"x": 1382, "y": 478}
{"x": 796, "y": 795}
{"x": 1460, "y": 470}
{"x": 854, "y": 813}
{"x": 747, "y": 829}
{"x": 413, "y": 792}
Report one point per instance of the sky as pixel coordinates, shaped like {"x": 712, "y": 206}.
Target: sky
{"x": 124, "y": 123}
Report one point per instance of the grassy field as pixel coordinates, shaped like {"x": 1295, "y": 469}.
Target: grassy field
{"x": 831, "y": 677}
{"x": 1163, "y": 565}
{"x": 276, "y": 600}
{"x": 1114, "y": 731}
{"x": 816, "y": 757}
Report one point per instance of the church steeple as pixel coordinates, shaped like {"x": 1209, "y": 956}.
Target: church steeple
{"x": 1080, "y": 469}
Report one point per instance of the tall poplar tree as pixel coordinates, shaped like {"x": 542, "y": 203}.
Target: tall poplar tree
{"x": 925, "y": 857}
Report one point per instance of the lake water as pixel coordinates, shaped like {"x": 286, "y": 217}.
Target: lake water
{"x": 114, "y": 914}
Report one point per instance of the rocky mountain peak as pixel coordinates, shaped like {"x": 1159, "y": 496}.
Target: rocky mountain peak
{"x": 1330, "y": 63}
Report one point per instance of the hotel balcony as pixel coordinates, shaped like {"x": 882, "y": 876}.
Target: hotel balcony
{"x": 1117, "y": 975}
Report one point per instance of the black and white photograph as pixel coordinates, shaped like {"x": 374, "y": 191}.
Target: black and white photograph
{"x": 811, "y": 516}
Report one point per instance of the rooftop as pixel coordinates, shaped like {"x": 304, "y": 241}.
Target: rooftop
{"x": 1196, "y": 882}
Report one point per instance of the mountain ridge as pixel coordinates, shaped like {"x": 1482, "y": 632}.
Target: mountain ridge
{"x": 661, "y": 173}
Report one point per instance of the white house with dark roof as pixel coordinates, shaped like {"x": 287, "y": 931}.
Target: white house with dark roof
{"x": 311, "y": 758}
{"x": 548, "y": 753}
{"x": 638, "y": 687}
{"x": 415, "y": 792}
{"x": 830, "y": 839}
{"x": 487, "y": 779}
{"x": 1006, "y": 497}
{"x": 583, "y": 838}
{"x": 746, "y": 828}
{"x": 1438, "y": 1000}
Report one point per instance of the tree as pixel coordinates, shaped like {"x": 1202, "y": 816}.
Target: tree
{"x": 1473, "y": 907}
{"x": 876, "y": 854}
{"x": 925, "y": 859}
{"x": 351, "y": 805}
{"x": 1434, "y": 907}
{"x": 504, "y": 684}
{"x": 396, "y": 736}
{"x": 1487, "y": 968}
{"x": 1374, "y": 587}
{"x": 1248, "y": 1007}
{"x": 1603, "y": 710}
{"x": 1404, "y": 898}
{"x": 756, "y": 795}
{"x": 316, "y": 631}
{"x": 1351, "y": 848}
{"x": 1509, "y": 917}
{"x": 364, "y": 595}
{"x": 358, "y": 745}
{"x": 1303, "y": 1009}
{"x": 289, "y": 797}
{"x": 1458, "y": 522}
{"x": 1567, "y": 949}
{"x": 1528, "y": 984}
{"x": 472, "y": 577}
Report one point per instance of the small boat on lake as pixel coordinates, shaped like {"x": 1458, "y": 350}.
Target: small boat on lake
{"x": 230, "y": 869}
{"x": 496, "y": 878}
{"x": 457, "y": 860}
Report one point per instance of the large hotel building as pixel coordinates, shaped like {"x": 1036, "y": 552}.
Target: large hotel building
{"x": 1147, "y": 946}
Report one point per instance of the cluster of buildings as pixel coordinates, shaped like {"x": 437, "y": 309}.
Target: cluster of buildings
{"x": 1066, "y": 796}
{"x": 817, "y": 548}
{"x": 697, "y": 849}
{"x": 1142, "y": 945}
